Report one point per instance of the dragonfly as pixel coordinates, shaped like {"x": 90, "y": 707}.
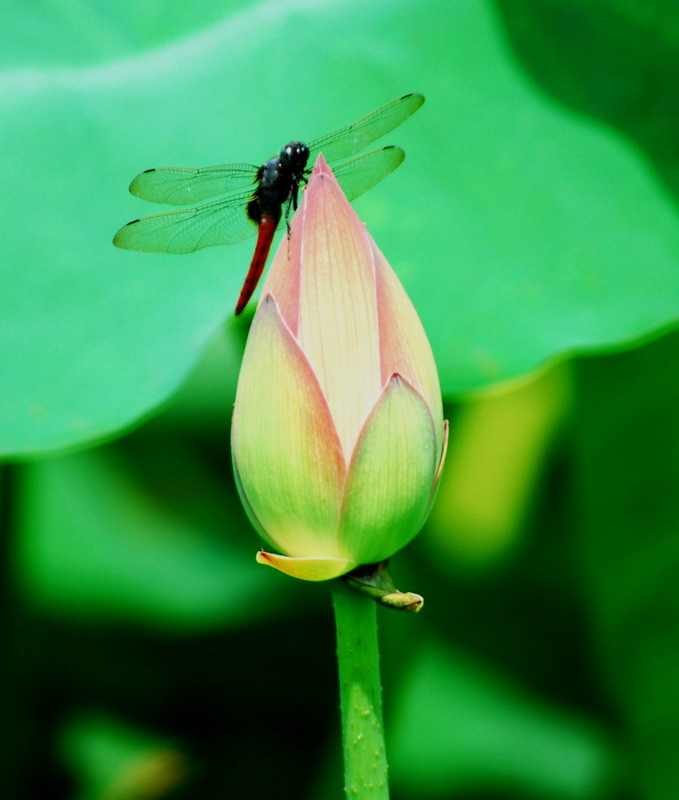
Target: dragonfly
{"x": 242, "y": 211}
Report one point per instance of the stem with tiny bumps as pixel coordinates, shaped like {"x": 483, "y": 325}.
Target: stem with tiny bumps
{"x": 365, "y": 761}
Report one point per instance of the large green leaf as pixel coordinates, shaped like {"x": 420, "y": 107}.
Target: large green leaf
{"x": 519, "y": 230}
{"x": 616, "y": 60}
{"x": 74, "y": 32}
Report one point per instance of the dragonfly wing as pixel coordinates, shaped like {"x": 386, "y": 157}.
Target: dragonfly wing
{"x": 361, "y": 173}
{"x": 347, "y": 141}
{"x": 179, "y": 186}
{"x": 188, "y": 229}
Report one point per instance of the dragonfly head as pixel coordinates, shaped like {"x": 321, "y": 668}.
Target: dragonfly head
{"x": 294, "y": 156}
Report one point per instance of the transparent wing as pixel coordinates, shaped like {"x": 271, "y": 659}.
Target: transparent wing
{"x": 347, "y": 141}
{"x": 179, "y": 186}
{"x": 363, "y": 172}
{"x": 189, "y": 229}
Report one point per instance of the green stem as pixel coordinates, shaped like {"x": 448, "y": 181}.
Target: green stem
{"x": 365, "y": 760}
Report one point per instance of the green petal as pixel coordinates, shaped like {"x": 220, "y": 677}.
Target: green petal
{"x": 404, "y": 346}
{"x": 390, "y": 479}
{"x": 307, "y": 569}
{"x": 286, "y": 451}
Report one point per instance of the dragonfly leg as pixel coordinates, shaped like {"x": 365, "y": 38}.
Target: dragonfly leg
{"x": 295, "y": 194}
{"x": 291, "y": 201}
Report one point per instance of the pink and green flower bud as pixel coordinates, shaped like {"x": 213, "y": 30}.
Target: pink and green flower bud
{"x": 338, "y": 435}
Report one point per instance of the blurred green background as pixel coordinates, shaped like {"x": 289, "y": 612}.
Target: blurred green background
{"x": 535, "y": 226}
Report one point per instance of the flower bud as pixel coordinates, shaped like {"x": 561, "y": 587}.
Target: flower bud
{"x": 338, "y": 436}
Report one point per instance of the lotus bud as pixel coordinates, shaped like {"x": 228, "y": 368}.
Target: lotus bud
{"x": 338, "y": 436}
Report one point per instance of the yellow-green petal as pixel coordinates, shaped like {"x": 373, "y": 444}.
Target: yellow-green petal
{"x": 286, "y": 450}
{"x": 308, "y": 569}
{"x": 390, "y": 478}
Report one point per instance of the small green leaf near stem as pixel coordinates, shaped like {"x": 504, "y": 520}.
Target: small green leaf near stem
{"x": 374, "y": 580}
{"x": 365, "y": 761}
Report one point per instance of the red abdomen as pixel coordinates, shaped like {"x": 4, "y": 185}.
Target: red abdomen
{"x": 267, "y": 229}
